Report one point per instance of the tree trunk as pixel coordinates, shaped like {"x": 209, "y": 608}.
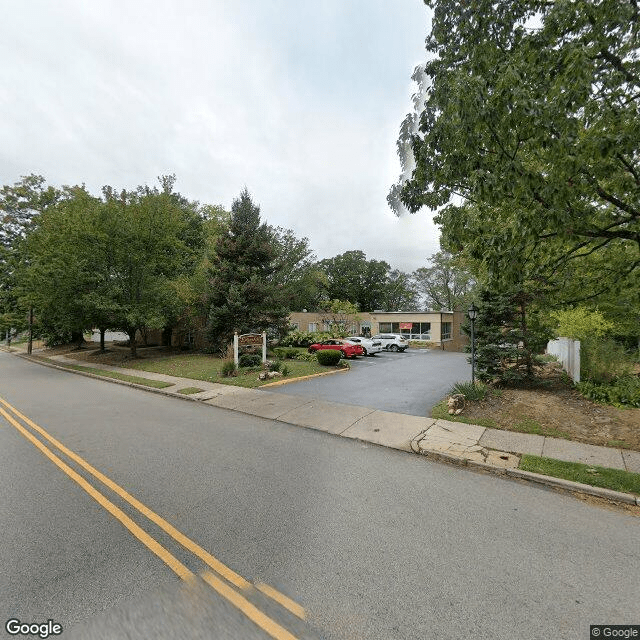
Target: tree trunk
{"x": 132, "y": 341}
{"x": 102, "y": 332}
{"x": 76, "y": 336}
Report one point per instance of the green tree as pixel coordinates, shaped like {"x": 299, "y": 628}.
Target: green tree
{"x": 20, "y": 205}
{"x": 508, "y": 335}
{"x": 63, "y": 267}
{"x": 296, "y": 271}
{"x": 245, "y": 294}
{"x": 155, "y": 238}
{"x": 350, "y": 276}
{"x": 400, "y": 292}
{"x": 339, "y": 315}
{"x": 528, "y": 142}
{"x": 445, "y": 284}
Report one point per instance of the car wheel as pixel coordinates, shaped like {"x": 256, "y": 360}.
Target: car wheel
{"x": 393, "y": 347}
{"x": 364, "y": 352}
{"x": 343, "y": 354}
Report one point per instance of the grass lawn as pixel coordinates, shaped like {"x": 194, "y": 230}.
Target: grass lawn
{"x": 441, "y": 412}
{"x": 207, "y": 367}
{"x": 615, "y": 479}
{"x": 157, "y": 384}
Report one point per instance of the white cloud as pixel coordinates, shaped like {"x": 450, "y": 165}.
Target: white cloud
{"x": 300, "y": 102}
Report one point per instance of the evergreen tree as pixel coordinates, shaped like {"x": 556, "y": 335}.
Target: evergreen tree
{"x": 508, "y": 335}
{"x": 244, "y": 294}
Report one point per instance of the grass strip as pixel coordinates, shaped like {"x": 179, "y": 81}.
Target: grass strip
{"x": 157, "y": 384}
{"x": 615, "y": 479}
{"x": 527, "y": 425}
{"x": 441, "y": 412}
{"x": 189, "y": 390}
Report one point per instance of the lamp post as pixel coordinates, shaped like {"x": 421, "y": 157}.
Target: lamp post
{"x": 472, "y": 312}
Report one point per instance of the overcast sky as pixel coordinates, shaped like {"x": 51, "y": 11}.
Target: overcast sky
{"x": 300, "y": 101}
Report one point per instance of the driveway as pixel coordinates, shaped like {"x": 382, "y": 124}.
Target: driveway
{"x": 410, "y": 382}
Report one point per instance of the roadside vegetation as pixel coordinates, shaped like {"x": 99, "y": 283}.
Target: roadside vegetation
{"x": 614, "y": 479}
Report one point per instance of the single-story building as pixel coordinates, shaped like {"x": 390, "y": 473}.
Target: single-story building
{"x": 441, "y": 328}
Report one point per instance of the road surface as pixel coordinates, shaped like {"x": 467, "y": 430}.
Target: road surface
{"x": 373, "y": 543}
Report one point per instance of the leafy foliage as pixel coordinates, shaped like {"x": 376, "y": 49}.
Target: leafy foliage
{"x": 529, "y": 139}
{"x": 470, "y": 391}
{"x": 624, "y": 392}
{"x": 445, "y": 284}
{"x": 249, "y": 360}
{"x": 328, "y": 357}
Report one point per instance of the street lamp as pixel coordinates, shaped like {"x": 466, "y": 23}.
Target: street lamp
{"x": 472, "y": 312}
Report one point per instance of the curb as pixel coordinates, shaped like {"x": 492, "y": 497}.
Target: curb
{"x": 529, "y": 476}
{"x": 280, "y": 383}
{"x": 438, "y": 456}
{"x": 162, "y": 392}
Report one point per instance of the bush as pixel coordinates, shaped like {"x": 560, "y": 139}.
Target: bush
{"x": 306, "y": 357}
{"x": 276, "y": 365}
{"x": 624, "y": 392}
{"x": 228, "y": 369}
{"x": 328, "y": 357}
{"x": 470, "y": 391}
{"x": 250, "y": 360}
{"x": 285, "y": 353}
{"x": 284, "y": 371}
{"x": 603, "y": 361}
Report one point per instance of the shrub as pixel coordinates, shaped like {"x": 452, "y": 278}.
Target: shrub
{"x": 249, "y": 360}
{"x": 284, "y": 371}
{"x": 603, "y": 360}
{"x": 276, "y": 365}
{"x": 624, "y": 392}
{"x": 328, "y": 357}
{"x": 228, "y": 369}
{"x": 306, "y": 357}
{"x": 285, "y": 353}
{"x": 470, "y": 391}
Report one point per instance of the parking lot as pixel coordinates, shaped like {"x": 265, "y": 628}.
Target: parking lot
{"x": 410, "y": 382}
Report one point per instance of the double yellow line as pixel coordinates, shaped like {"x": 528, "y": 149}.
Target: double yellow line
{"x": 271, "y": 627}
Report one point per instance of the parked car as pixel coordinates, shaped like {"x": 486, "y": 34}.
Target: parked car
{"x": 347, "y": 348}
{"x": 392, "y": 341}
{"x": 369, "y": 346}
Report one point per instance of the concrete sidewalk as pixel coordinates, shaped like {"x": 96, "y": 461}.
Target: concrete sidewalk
{"x": 488, "y": 449}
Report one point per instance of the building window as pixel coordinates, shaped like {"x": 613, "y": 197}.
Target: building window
{"x": 445, "y": 331}
{"x": 313, "y": 326}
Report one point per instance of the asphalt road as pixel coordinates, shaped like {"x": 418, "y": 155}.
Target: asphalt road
{"x": 411, "y": 382}
{"x": 373, "y": 543}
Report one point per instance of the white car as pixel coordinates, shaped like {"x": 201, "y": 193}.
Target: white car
{"x": 392, "y": 341}
{"x": 371, "y": 347}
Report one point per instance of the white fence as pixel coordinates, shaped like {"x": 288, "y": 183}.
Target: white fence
{"x": 568, "y": 352}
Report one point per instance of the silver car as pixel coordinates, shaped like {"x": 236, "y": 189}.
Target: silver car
{"x": 392, "y": 341}
{"x": 370, "y": 346}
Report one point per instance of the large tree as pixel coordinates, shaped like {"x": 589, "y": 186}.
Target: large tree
{"x": 20, "y": 205}
{"x": 350, "y": 276}
{"x": 528, "y": 142}
{"x": 444, "y": 284}
{"x": 245, "y": 292}
{"x": 155, "y": 237}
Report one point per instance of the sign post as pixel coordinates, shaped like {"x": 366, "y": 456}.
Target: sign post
{"x": 250, "y": 339}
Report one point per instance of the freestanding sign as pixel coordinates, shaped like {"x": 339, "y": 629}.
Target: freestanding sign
{"x": 248, "y": 339}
